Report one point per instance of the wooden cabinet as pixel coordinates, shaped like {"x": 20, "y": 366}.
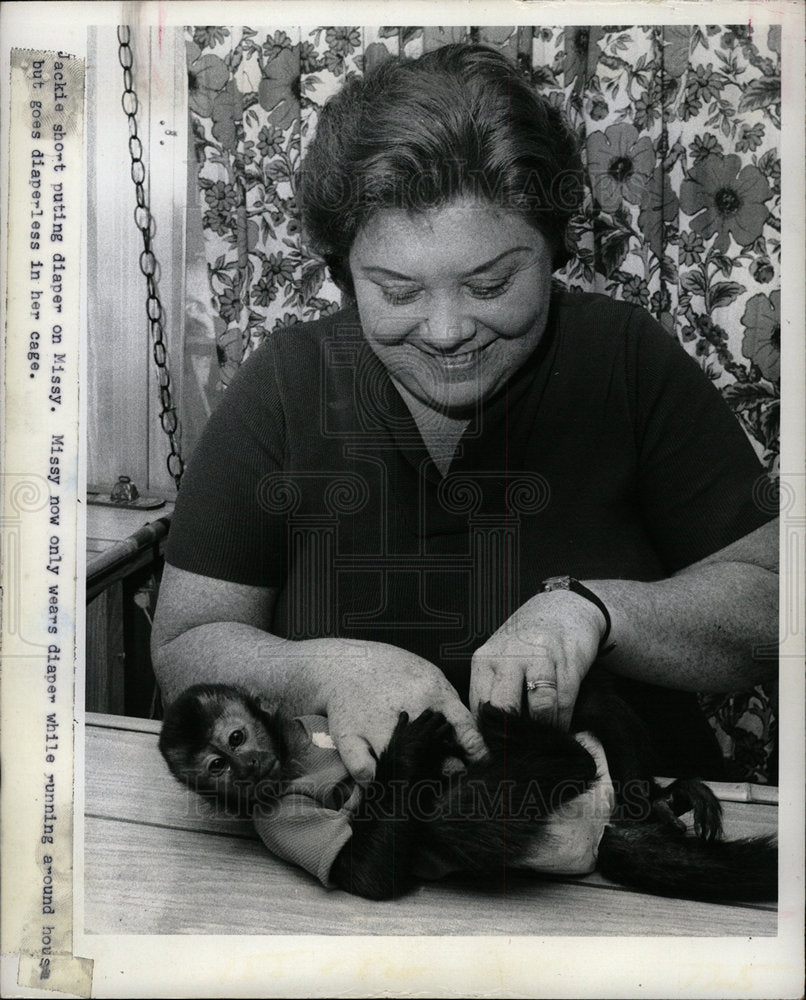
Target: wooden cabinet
{"x": 124, "y": 566}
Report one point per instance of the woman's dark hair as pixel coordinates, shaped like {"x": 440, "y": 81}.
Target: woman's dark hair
{"x": 414, "y": 134}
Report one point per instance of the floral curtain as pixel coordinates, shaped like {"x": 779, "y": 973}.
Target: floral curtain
{"x": 680, "y": 128}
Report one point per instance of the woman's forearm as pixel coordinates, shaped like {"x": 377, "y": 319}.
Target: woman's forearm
{"x": 289, "y": 672}
{"x": 213, "y": 631}
{"x": 711, "y": 627}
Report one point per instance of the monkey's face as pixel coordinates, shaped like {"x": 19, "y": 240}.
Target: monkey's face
{"x": 239, "y": 760}
{"x": 221, "y": 742}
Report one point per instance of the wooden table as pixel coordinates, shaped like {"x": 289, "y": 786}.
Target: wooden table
{"x": 158, "y": 862}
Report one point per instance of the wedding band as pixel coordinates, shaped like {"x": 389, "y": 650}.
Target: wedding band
{"x": 536, "y": 685}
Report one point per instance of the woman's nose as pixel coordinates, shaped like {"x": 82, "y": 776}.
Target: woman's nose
{"x": 446, "y": 330}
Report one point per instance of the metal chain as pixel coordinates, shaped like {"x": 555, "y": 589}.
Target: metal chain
{"x": 148, "y": 261}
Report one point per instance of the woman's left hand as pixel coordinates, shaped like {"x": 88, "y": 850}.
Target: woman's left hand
{"x": 549, "y": 644}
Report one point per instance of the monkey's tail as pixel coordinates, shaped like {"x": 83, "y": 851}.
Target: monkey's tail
{"x": 658, "y": 861}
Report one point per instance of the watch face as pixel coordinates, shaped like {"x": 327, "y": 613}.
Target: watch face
{"x": 557, "y": 583}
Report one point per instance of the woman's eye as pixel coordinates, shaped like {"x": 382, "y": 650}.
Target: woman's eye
{"x": 489, "y": 290}
{"x": 399, "y": 296}
{"x": 217, "y": 766}
{"x": 236, "y": 739}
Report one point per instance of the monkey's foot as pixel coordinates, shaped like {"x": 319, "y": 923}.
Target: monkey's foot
{"x": 419, "y": 748}
{"x": 688, "y": 795}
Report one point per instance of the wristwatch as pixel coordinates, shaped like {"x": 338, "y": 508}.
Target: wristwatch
{"x": 572, "y": 584}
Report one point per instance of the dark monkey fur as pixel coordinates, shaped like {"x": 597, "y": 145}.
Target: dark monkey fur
{"x": 218, "y": 739}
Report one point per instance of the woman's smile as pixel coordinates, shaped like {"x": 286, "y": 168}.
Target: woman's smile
{"x": 457, "y": 362}
{"x": 460, "y": 362}
{"x": 452, "y": 300}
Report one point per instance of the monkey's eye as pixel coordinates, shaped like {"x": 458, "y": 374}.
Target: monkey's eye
{"x": 217, "y": 766}
{"x": 236, "y": 738}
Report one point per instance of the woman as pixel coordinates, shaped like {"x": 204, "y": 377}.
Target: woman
{"x": 370, "y": 520}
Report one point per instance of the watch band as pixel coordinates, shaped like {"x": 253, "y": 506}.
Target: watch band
{"x": 571, "y": 583}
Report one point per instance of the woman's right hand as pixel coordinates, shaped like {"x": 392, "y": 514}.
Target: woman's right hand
{"x": 368, "y": 687}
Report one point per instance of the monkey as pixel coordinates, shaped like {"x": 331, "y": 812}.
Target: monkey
{"x": 418, "y": 816}
{"x": 220, "y": 741}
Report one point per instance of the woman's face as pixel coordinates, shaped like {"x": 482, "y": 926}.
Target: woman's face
{"x": 452, "y": 300}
